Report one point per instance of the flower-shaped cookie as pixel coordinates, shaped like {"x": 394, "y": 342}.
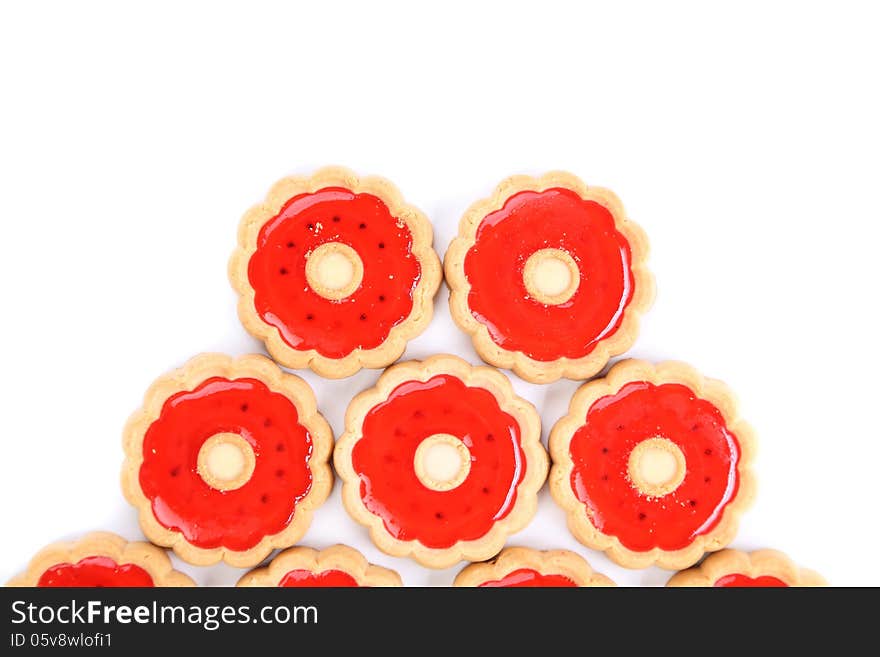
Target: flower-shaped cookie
{"x": 732, "y": 568}
{"x": 653, "y": 465}
{"x": 335, "y": 272}
{"x": 548, "y": 277}
{"x": 522, "y": 567}
{"x": 441, "y": 460}
{"x": 339, "y": 566}
{"x": 101, "y": 559}
{"x": 227, "y": 459}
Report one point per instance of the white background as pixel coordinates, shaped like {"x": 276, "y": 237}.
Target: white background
{"x": 744, "y": 139}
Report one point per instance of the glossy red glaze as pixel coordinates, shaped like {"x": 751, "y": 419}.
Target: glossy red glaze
{"x": 95, "y": 572}
{"x": 742, "y": 581}
{"x": 560, "y": 219}
{"x": 236, "y": 519}
{"x": 526, "y": 577}
{"x": 324, "y": 579}
{"x": 392, "y": 431}
{"x": 304, "y": 319}
{"x": 600, "y": 450}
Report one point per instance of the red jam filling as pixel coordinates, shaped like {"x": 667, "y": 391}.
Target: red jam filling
{"x": 743, "y": 581}
{"x": 304, "y": 319}
{"x": 95, "y": 572}
{"x": 526, "y": 577}
{"x": 384, "y": 456}
{"x": 560, "y": 219}
{"x": 235, "y": 519}
{"x": 324, "y": 579}
{"x": 600, "y": 451}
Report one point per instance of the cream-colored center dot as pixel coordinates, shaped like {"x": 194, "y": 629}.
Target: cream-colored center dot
{"x": 551, "y": 276}
{"x": 226, "y": 461}
{"x": 442, "y": 462}
{"x": 656, "y": 467}
{"x": 334, "y": 270}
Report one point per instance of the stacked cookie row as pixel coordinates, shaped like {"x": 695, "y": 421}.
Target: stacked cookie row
{"x": 228, "y": 459}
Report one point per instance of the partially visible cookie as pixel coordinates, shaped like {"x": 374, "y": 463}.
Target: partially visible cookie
{"x": 652, "y": 464}
{"x": 227, "y": 459}
{"x": 335, "y": 272}
{"x": 101, "y": 559}
{"x": 441, "y": 461}
{"x": 548, "y": 276}
{"x": 334, "y": 566}
{"x": 733, "y": 568}
{"x": 523, "y": 567}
